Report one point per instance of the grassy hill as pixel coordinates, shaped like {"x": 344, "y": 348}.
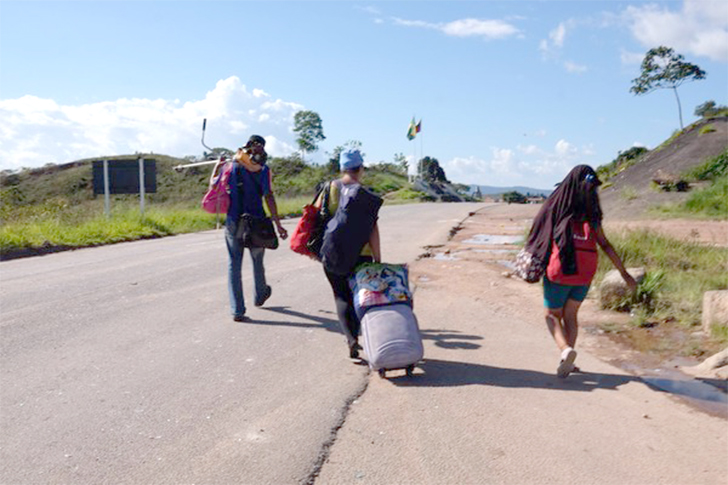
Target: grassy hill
{"x": 54, "y": 207}
{"x": 694, "y": 159}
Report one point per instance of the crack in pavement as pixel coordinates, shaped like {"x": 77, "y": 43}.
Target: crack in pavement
{"x": 329, "y": 443}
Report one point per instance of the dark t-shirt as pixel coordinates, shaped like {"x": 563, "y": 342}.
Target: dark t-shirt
{"x": 247, "y": 190}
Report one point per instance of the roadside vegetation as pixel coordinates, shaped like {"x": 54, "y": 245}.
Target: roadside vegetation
{"x": 709, "y": 201}
{"x": 54, "y": 207}
{"x": 668, "y": 303}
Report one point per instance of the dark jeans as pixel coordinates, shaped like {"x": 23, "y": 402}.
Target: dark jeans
{"x": 344, "y": 301}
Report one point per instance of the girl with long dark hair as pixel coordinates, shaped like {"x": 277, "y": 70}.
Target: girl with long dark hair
{"x": 566, "y": 232}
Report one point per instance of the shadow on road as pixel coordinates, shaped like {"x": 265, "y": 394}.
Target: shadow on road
{"x": 451, "y": 339}
{"x": 320, "y": 322}
{"x": 442, "y": 373}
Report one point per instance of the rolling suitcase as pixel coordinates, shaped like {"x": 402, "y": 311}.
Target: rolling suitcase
{"x": 392, "y": 338}
{"x": 389, "y": 328}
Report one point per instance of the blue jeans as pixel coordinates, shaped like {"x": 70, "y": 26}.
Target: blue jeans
{"x": 235, "y": 276}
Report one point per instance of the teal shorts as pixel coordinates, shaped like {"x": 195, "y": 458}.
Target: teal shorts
{"x": 555, "y": 295}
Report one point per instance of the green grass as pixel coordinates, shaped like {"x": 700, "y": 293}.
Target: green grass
{"x": 89, "y": 226}
{"x": 707, "y": 203}
{"x": 678, "y": 273}
{"x": 711, "y": 169}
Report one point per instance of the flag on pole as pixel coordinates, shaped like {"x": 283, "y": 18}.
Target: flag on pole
{"x": 413, "y": 129}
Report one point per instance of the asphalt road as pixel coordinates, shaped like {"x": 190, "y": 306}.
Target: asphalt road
{"x": 121, "y": 364}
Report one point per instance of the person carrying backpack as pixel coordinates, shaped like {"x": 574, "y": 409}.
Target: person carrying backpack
{"x": 566, "y": 232}
{"x": 351, "y": 238}
{"x": 249, "y": 183}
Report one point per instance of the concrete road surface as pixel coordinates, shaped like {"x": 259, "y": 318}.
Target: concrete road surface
{"x": 121, "y": 364}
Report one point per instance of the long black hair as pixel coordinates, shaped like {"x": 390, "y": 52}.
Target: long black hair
{"x": 575, "y": 200}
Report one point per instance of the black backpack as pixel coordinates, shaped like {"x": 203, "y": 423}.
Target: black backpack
{"x": 350, "y": 228}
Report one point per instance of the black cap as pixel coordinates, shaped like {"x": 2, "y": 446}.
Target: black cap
{"x": 256, "y": 139}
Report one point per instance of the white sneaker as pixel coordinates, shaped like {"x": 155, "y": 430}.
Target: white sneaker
{"x": 566, "y": 366}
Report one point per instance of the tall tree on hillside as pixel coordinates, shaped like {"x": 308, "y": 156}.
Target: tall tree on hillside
{"x": 310, "y": 131}
{"x": 662, "y": 68}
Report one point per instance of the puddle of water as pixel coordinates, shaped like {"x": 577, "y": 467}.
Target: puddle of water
{"x": 493, "y": 239}
{"x": 495, "y": 251}
{"x": 511, "y": 265}
{"x": 445, "y": 257}
{"x": 704, "y": 396}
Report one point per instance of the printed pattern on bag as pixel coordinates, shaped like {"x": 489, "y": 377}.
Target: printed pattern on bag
{"x": 377, "y": 284}
{"x": 528, "y": 267}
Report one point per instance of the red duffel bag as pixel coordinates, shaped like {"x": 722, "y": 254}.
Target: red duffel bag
{"x": 307, "y": 236}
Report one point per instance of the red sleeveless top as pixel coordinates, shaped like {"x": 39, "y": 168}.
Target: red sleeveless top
{"x": 587, "y": 257}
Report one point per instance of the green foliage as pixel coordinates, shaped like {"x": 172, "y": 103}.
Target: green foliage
{"x": 624, "y": 159}
{"x": 383, "y": 181}
{"x": 706, "y": 129}
{"x": 678, "y": 273}
{"x": 662, "y": 68}
{"x": 712, "y": 169}
{"x": 55, "y": 205}
{"x": 710, "y": 110}
{"x": 711, "y": 201}
{"x": 405, "y": 194}
{"x": 310, "y": 130}
{"x": 514, "y": 197}
{"x": 293, "y": 177}
{"x": 429, "y": 169}
{"x": 401, "y": 161}
{"x": 54, "y": 225}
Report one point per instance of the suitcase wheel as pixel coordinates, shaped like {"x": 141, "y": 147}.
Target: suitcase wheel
{"x": 382, "y": 373}
{"x": 410, "y": 370}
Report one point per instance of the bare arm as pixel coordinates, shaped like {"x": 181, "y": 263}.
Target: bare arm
{"x": 614, "y": 257}
{"x": 270, "y": 200}
{"x": 374, "y": 243}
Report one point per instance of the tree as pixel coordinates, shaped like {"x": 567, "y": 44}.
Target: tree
{"x": 514, "y": 197}
{"x": 662, "y": 68}
{"x": 709, "y": 109}
{"x": 401, "y": 161}
{"x": 310, "y": 131}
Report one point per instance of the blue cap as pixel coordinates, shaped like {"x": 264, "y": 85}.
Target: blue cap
{"x": 351, "y": 160}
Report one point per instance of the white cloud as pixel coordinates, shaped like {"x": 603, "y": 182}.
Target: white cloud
{"x": 631, "y": 58}
{"x": 575, "y": 68}
{"x": 555, "y": 42}
{"x": 700, "y": 28}
{"x": 528, "y": 165}
{"x": 37, "y": 131}
{"x": 488, "y": 29}
{"x": 563, "y": 148}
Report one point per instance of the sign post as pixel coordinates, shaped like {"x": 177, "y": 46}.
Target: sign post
{"x": 107, "y": 199}
{"x": 126, "y": 176}
{"x": 141, "y": 186}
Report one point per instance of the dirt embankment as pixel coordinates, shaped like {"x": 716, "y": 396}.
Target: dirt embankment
{"x": 631, "y": 192}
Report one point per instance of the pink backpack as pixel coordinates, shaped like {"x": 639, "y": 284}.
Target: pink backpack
{"x": 217, "y": 198}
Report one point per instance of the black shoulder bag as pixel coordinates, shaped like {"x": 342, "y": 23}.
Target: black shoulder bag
{"x": 256, "y": 232}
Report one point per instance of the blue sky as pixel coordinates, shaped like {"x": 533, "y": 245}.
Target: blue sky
{"x": 509, "y": 92}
